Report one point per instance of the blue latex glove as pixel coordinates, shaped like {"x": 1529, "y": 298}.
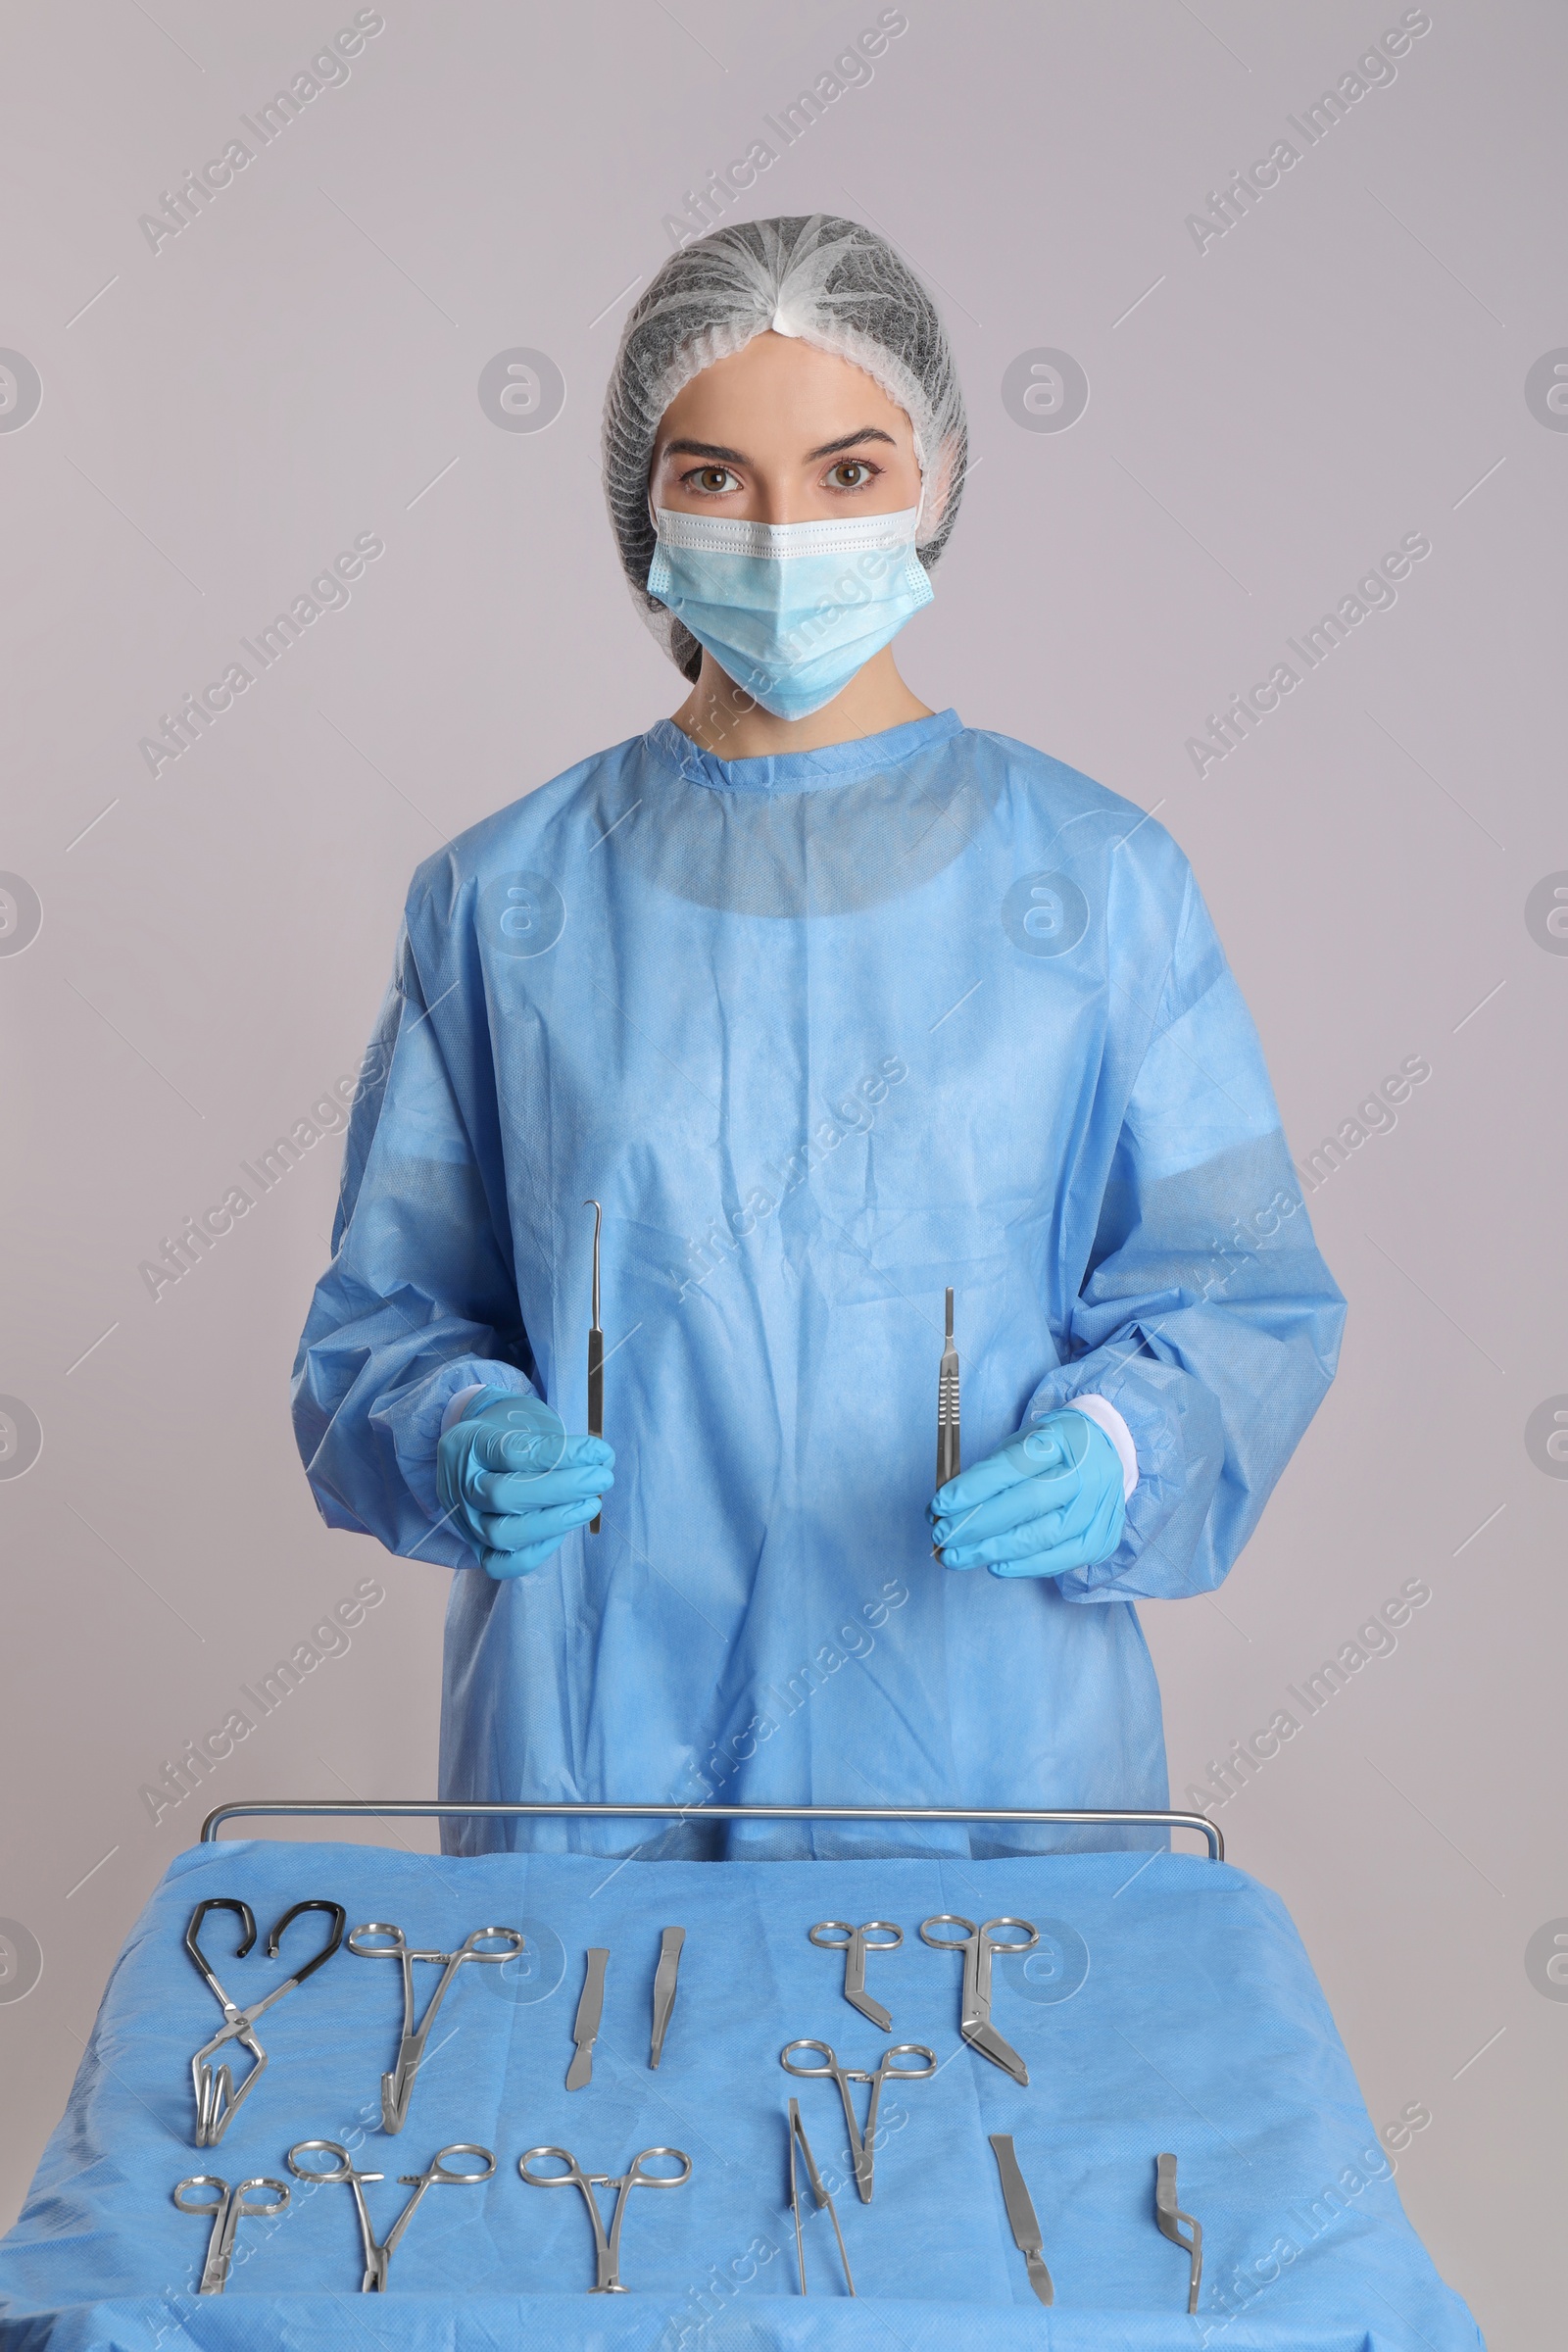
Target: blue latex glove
{"x": 514, "y": 1483}
{"x": 1048, "y": 1500}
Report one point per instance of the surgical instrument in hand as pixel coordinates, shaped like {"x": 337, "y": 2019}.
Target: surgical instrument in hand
{"x": 1021, "y": 2216}
{"x": 837, "y": 1936}
{"x": 216, "y": 2095}
{"x": 227, "y": 2210}
{"x": 596, "y": 1358}
{"x": 797, "y": 2133}
{"x": 397, "y": 2087}
{"x": 862, "y": 2146}
{"x": 947, "y": 1463}
{"x": 670, "y": 1944}
{"x": 606, "y": 2248}
{"x": 1170, "y": 2217}
{"x": 378, "y": 2257}
{"x": 974, "y": 2016}
{"x": 585, "y": 2025}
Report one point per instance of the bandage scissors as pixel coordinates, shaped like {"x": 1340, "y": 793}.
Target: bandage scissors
{"x": 837, "y": 1936}
{"x": 228, "y": 2209}
{"x": 977, "y": 1943}
{"x": 862, "y": 2146}
{"x": 216, "y": 2097}
{"x": 397, "y": 2087}
{"x": 607, "y": 2245}
{"x": 378, "y": 2257}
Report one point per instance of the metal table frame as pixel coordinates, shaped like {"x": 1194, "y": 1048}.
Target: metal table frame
{"x": 428, "y": 1808}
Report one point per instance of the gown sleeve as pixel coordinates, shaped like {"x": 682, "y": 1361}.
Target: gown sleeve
{"x": 1206, "y": 1315}
{"x": 418, "y": 1302}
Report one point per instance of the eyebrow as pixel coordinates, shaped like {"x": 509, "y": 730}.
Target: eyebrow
{"x": 716, "y": 451}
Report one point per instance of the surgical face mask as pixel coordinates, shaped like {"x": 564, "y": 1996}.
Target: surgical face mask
{"x": 790, "y": 610}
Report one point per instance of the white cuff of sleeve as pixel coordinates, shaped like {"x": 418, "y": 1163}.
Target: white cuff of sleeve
{"x": 1106, "y": 1416}
{"x": 458, "y": 1405}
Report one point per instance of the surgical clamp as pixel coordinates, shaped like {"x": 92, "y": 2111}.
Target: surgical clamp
{"x": 378, "y": 2258}
{"x": 216, "y": 2097}
{"x": 596, "y": 1358}
{"x": 227, "y": 2210}
{"x": 854, "y": 1943}
{"x": 607, "y": 2246}
{"x": 862, "y": 2146}
{"x": 797, "y": 2133}
{"x": 1170, "y": 2217}
{"x": 397, "y": 2087}
{"x": 977, "y": 1943}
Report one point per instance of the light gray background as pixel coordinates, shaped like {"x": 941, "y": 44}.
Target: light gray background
{"x": 300, "y": 364}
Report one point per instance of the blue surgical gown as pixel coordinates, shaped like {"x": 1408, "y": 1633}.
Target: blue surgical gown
{"x": 825, "y": 1033}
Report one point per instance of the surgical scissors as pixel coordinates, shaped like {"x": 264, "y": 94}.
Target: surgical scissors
{"x": 974, "y": 2016}
{"x": 862, "y": 2146}
{"x": 854, "y": 1943}
{"x": 378, "y": 2257}
{"x": 216, "y": 2097}
{"x": 227, "y": 2210}
{"x": 607, "y": 2246}
{"x": 397, "y": 2087}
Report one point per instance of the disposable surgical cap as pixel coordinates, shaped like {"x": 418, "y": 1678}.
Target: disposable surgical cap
{"x": 828, "y": 281}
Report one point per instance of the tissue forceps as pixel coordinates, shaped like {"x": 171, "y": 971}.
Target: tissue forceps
{"x": 818, "y": 2191}
{"x": 607, "y": 2245}
{"x": 216, "y": 2097}
{"x": 854, "y": 1943}
{"x": 596, "y": 1358}
{"x": 974, "y": 2015}
{"x": 397, "y": 2087}
{"x": 378, "y": 2258}
{"x": 862, "y": 2146}
{"x": 227, "y": 2210}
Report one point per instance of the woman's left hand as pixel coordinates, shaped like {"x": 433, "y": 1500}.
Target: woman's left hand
{"x": 1050, "y": 1501}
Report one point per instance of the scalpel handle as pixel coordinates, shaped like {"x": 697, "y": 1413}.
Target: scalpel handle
{"x": 596, "y": 1398}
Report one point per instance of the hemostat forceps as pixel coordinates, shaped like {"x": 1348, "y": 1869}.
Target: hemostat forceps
{"x": 397, "y": 2087}
{"x": 607, "y": 2246}
{"x": 837, "y": 1936}
{"x": 1169, "y": 2217}
{"x": 378, "y": 2257}
{"x": 862, "y": 2146}
{"x": 216, "y": 2095}
{"x": 974, "y": 2016}
{"x": 228, "y": 2209}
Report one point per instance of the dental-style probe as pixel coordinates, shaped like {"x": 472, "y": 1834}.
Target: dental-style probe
{"x": 595, "y": 1357}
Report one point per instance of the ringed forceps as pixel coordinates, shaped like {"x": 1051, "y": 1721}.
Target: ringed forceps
{"x": 216, "y": 2097}
{"x": 837, "y": 1936}
{"x": 227, "y": 2210}
{"x": 378, "y": 2257}
{"x": 862, "y": 2146}
{"x": 977, "y": 1943}
{"x": 607, "y": 2244}
{"x": 397, "y": 2087}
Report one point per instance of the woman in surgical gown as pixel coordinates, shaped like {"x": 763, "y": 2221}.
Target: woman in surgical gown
{"x": 834, "y": 1003}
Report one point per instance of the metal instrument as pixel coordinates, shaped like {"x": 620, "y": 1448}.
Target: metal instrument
{"x": 590, "y": 2009}
{"x": 974, "y": 2015}
{"x": 607, "y": 2245}
{"x": 797, "y": 2133}
{"x": 378, "y": 2257}
{"x": 228, "y": 2209}
{"x": 397, "y": 2087}
{"x": 1021, "y": 2216}
{"x": 948, "y": 1464}
{"x": 837, "y": 1936}
{"x": 670, "y": 1944}
{"x": 596, "y": 1358}
{"x": 1170, "y": 2217}
{"x": 216, "y": 2097}
{"x": 862, "y": 2146}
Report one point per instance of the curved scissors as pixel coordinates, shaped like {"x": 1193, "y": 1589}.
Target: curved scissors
{"x": 227, "y": 2210}
{"x": 862, "y": 2146}
{"x": 607, "y": 2246}
{"x": 397, "y": 2087}
{"x": 854, "y": 1943}
{"x": 974, "y": 2015}
{"x": 438, "y": 2170}
{"x": 216, "y": 2097}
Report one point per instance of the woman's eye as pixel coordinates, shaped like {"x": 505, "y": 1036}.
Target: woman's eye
{"x": 851, "y": 473}
{"x": 713, "y": 481}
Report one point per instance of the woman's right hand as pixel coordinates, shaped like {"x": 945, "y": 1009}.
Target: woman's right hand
{"x": 516, "y": 1483}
